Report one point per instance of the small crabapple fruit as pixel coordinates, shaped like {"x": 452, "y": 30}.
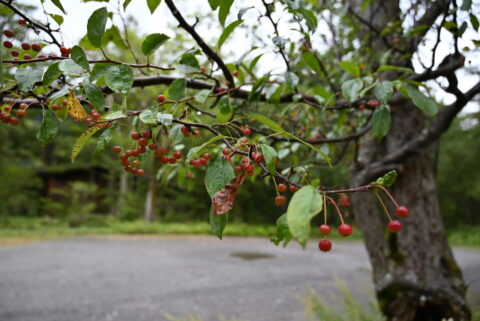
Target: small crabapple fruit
{"x": 402, "y": 211}
{"x": 325, "y": 245}
{"x": 345, "y": 229}
{"x": 282, "y": 187}
{"x": 325, "y": 229}
{"x": 280, "y": 200}
{"x": 394, "y": 226}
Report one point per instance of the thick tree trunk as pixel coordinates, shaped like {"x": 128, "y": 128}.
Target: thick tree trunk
{"x": 415, "y": 274}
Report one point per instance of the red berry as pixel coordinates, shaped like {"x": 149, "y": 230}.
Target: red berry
{"x": 203, "y": 69}
{"x": 235, "y": 73}
{"x": 64, "y": 102}
{"x": 325, "y": 229}
{"x": 161, "y": 98}
{"x": 7, "y": 44}
{"x": 5, "y": 117}
{"x": 135, "y": 135}
{"x": 25, "y": 46}
{"x": 402, "y": 211}
{"x": 226, "y": 151}
{"x": 172, "y": 160}
{"x": 27, "y": 57}
{"x": 202, "y": 161}
{"x": 251, "y": 173}
{"x": 136, "y": 163}
{"x": 164, "y": 159}
{"x": 344, "y": 201}
{"x": 177, "y": 155}
{"x": 36, "y": 47}
{"x": 207, "y": 156}
{"x": 293, "y": 189}
{"x": 197, "y": 133}
{"x": 142, "y": 149}
{"x": 345, "y": 229}
{"x": 185, "y": 130}
{"x": 135, "y": 152}
{"x": 21, "y": 113}
{"x": 14, "y": 121}
{"x": 147, "y": 134}
{"x": 22, "y": 21}
{"x": 361, "y": 107}
{"x": 117, "y": 149}
{"x": 15, "y": 53}
{"x": 280, "y": 200}
{"x": 394, "y": 226}
{"x": 282, "y": 188}
{"x": 41, "y": 56}
{"x": 373, "y": 103}
{"x": 96, "y": 115}
{"x": 8, "y": 109}
{"x": 325, "y": 245}
{"x": 238, "y": 169}
{"x": 63, "y": 49}
{"x": 143, "y": 141}
{"x": 152, "y": 146}
{"x": 140, "y": 172}
{"x": 8, "y": 33}
{"x": 247, "y": 131}
{"x": 257, "y": 158}
{"x": 228, "y": 158}
{"x": 23, "y": 106}
{"x": 161, "y": 151}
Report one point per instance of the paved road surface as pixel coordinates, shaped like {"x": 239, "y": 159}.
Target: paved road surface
{"x": 141, "y": 279}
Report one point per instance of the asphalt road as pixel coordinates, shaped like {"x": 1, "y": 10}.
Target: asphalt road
{"x": 142, "y": 279}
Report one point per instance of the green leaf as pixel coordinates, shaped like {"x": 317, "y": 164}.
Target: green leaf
{"x": 165, "y": 119}
{"x": 426, "y": 104}
{"x": 381, "y": 121}
{"x": 51, "y": 74}
{"x": 224, "y": 110}
{"x": 176, "y": 90}
{"x": 153, "y": 42}
{"x": 58, "y": 4}
{"x": 474, "y": 22}
{"x": 389, "y": 67}
{"x": 78, "y": 55}
{"x": 219, "y": 174}
{"x": 228, "y": 30}
{"x": 224, "y": 10}
{"x": 114, "y": 115}
{"x": 119, "y": 78}
{"x": 103, "y": 140}
{"x": 351, "y": 88}
{"x": 304, "y": 205}
{"x": 292, "y": 79}
{"x": 48, "y": 128}
{"x": 27, "y": 78}
{"x": 148, "y": 116}
{"x": 383, "y": 91}
{"x": 153, "y": 4}
{"x": 82, "y": 140}
{"x": 214, "y": 4}
{"x": 96, "y": 26}
{"x": 193, "y": 152}
{"x": 282, "y": 233}
{"x": 270, "y": 155}
{"x": 218, "y": 223}
{"x": 466, "y": 5}
{"x": 386, "y": 180}
{"x": 310, "y": 18}
{"x": 113, "y": 35}
{"x": 70, "y": 68}
{"x": 94, "y": 95}
{"x": 350, "y": 67}
{"x": 58, "y": 18}
{"x": 125, "y": 4}
{"x": 202, "y": 95}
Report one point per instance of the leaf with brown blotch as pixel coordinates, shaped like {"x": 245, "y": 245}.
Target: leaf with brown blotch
{"x": 223, "y": 200}
{"x": 75, "y": 109}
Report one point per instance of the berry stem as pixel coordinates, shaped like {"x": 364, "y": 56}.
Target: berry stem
{"x": 336, "y": 207}
{"x": 325, "y": 209}
{"x": 388, "y": 194}
{"x": 384, "y": 207}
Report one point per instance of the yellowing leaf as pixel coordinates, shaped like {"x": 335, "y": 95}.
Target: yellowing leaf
{"x": 82, "y": 140}
{"x": 75, "y": 109}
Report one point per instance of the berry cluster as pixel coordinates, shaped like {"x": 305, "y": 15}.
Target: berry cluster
{"x": 393, "y": 226}
{"x": 281, "y": 200}
{"x": 7, "y": 118}
{"x": 26, "y": 49}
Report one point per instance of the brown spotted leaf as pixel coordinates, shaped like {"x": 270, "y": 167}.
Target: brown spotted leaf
{"x": 75, "y": 109}
{"x": 223, "y": 200}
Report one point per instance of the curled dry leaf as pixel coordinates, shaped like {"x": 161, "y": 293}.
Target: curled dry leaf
{"x": 223, "y": 200}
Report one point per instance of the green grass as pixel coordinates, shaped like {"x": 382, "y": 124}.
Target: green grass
{"x": 22, "y": 228}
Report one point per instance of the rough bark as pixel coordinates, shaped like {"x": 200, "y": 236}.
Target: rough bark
{"x": 415, "y": 274}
